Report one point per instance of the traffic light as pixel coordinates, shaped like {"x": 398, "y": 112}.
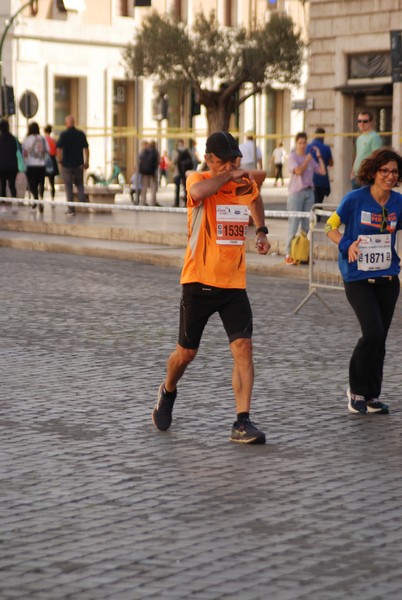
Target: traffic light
{"x": 195, "y": 105}
{"x": 160, "y": 107}
{"x": 7, "y": 100}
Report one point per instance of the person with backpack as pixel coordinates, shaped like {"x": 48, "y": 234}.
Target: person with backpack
{"x": 182, "y": 162}
{"x": 149, "y": 162}
{"x": 34, "y": 150}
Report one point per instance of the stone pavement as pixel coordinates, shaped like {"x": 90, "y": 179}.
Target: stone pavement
{"x": 157, "y": 236}
{"x": 97, "y": 504}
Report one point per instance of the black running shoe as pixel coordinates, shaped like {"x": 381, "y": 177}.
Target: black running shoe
{"x": 162, "y": 413}
{"x": 246, "y": 432}
{"x": 357, "y": 404}
{"x": 375, "y": 406}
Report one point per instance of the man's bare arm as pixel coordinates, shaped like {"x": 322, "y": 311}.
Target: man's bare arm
{"x": 207, "y": 187}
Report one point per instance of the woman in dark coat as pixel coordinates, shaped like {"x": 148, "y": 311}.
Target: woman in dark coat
{"x": 8, "y": 161}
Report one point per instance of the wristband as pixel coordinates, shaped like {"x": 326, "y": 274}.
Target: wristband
{"x": 344, "y": 245}
{"x": 261, "y": 230}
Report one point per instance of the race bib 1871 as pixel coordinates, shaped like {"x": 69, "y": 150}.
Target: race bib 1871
{"x": 231, "y": 224}
{"x": 375, "y": 252}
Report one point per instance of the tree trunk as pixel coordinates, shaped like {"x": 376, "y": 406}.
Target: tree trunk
{"x": 219, "y": 109}
{"x": 218, "y": 118}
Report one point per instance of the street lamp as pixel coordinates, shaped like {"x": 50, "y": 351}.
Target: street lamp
{"x": 34, "y": 8}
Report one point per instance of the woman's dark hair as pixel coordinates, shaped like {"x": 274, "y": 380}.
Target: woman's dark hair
{"x": 4, "y": 127}
{"x": 301, "y": 134}
{"x": 48, "y": 129}
{"x": 375, "y": 161}
{"x": 33, "y": 128}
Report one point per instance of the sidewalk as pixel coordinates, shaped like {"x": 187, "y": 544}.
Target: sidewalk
{"x": 152, "y": 235}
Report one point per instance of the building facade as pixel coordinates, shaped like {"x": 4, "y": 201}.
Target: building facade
{"x": 350, "y": 68}
{"x": 69, "y": 55}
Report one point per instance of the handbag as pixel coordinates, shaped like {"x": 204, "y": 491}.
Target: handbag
{"x": 20, "y": 159}
{"x": 300, "y": 248}
{"x": 48, "y": 164}
{"x": 48, "y": 159}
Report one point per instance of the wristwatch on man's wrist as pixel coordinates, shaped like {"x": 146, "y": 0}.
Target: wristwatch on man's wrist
{"x": 261, "y": 230}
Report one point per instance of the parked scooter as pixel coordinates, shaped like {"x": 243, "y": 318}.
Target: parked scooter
{"x": 97, "y": 177}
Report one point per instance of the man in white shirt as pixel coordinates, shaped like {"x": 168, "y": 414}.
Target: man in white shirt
{"x": 279, "y": 157}
{"x": 252, "y": 157}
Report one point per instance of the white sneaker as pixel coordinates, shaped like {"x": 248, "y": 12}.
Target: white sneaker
{"x": 357, "y": 404}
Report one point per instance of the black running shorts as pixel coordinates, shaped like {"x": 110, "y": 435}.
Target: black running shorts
{"x": 199, "y": 302}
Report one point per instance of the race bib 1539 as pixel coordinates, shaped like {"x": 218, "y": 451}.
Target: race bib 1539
{"x": 231, "y": 224}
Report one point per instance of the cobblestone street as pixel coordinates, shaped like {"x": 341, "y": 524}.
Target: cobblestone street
{"x": 97, "y": 504}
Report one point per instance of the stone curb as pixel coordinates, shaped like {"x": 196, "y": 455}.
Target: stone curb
{"x": 144, "y": 252}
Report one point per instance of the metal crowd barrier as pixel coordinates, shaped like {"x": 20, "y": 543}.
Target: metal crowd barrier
{"x": 323, "y": 264}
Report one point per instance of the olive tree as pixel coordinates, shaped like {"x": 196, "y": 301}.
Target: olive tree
{"x": 216, "y": 61}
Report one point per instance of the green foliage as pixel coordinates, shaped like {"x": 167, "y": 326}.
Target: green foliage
{"x": 278, "y": 52}
{"x": 168, "y": 50}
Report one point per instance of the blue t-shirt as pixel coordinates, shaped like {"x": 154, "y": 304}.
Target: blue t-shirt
{"x": 321, "y": 180}
{"x": 362, "y": 215}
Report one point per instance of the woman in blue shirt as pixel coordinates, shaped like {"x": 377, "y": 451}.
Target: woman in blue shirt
{"x": 370, "y": 269}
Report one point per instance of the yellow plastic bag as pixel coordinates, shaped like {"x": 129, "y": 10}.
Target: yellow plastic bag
{"x": 300, "y": 248}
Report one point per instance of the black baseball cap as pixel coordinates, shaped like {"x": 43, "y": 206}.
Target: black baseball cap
{"x": 223, "y": 145}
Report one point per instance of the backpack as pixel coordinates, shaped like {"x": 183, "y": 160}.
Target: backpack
{"x": 300, "y": 248}
{"x": 184, "y": 162}
{"x": 38, "y": 148}
{"x": 148, "y": 162}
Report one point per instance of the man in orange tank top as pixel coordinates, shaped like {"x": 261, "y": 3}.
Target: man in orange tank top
{"x": 219, "y": 202}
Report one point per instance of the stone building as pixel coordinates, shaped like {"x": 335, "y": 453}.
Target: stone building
{"x": 350, "y": 68}
{"x": 69, "y": 56}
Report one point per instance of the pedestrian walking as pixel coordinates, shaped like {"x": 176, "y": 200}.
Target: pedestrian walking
{"x": 52, "y": 150}
{"x": 278, "y": 158}
{"x": 251, "y": 153}
{"x": 135, "y": 186}
{"x": 34, "y": 150}
{"x": 8, "y": 162}
{"x": 182, "y": 162}
{"x": 149, "y": 162}
{"x": 370, "y": 268}
{"x": 192, "y": 148}
{"x": 73, "y": 154}
{"x": 163, "y": 167}
{"x": 322, "y": 186}
{"x": 214, "y": 277}
{"x": 302, "y": 167}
